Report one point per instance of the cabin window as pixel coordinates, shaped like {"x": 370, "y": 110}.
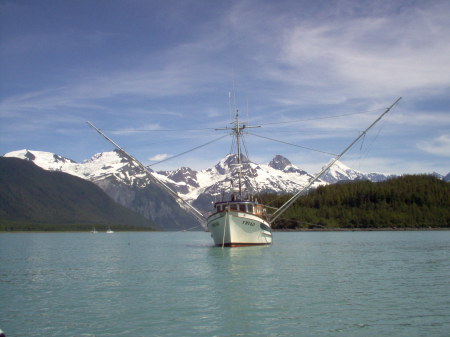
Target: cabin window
{"x": 242, "y": 208}
{"x": 250, "y": 208}
{"x": 233, "y": 207}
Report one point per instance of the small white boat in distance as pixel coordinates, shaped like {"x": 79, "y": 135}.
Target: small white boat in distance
{"x": 109, "y": 231}
{"x": 94, "y": 231}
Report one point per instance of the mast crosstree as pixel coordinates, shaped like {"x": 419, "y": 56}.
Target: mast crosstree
{"x": 237, "y": 132}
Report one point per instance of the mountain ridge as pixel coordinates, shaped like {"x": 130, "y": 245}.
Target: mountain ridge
{"x": 38, "y": 198}
{"x": 125, "y": 182}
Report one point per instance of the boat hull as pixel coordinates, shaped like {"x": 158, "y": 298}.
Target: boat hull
{"x": 238, "y": 229}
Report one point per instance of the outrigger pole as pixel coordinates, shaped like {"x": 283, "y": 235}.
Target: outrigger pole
{"x": 195, "y": 212}
{"x": 288, "y": 203}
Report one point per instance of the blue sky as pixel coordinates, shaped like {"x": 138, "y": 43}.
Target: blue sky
{"x": 156, "y": 77}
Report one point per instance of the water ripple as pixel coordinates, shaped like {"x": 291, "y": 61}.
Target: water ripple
{"x": 177, "y": 284}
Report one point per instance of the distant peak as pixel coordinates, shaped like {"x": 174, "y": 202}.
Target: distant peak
{"x": 57, "y": 158}
{"x": 185, "y": 169}
{"x": 32, "y": 155}
{"x": 111, "y": 156}
{"x": 279, "y": 162}
{"x": 22, "y": 154}
{"x": 29, "y": 156}
{"x": 229, "y": 162}
{"x": 232, "y": 159}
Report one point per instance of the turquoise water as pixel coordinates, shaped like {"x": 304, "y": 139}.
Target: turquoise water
{"x": 177, "y": 284}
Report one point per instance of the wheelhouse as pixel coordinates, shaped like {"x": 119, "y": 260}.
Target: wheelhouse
{"x": 250, "y": 207}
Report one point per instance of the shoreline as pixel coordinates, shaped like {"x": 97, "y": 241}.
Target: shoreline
{"x": 375, "y": 229}
{"x": 386, "y": 229}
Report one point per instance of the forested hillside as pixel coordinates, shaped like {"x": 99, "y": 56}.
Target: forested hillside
{"x": 407, "y": 201}
{"x": 34, "y": 199}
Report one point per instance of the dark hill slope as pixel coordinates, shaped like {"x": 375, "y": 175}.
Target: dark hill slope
{"x": 33, "y": 198}
{"x": 407, "y": 201}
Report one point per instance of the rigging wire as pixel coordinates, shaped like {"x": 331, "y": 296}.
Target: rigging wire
{"x": 319, "y": 118}
{"x": 362, "y": 155}
{"x": 280, "y": 141}
{"x": 365, "y": 149}
{"x": 244, "y": 145}
{"x": 156, "y": 130}
{"x": 233, "y": 145}
{"x": 275, "y": 123}
{"x": 257, "y": 190}
{"x": 195, "y": 148}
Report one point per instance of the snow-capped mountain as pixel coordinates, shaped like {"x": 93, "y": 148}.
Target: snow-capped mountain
{"x": 203, "y": 187}
{"x": 447, "y": 177}
{"x": 123, "y": 180}
{"x": 97, "y": 168}
{"x": 46, "y": 160}
{"x": 280, "y": 176}
{"x": 128, "y": 184}
{"x": 341, "y": 172}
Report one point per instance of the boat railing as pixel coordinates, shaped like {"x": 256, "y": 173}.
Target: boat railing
{"x": 250, "y": 207}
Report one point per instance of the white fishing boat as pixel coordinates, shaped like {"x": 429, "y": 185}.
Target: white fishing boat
{"x": 242, "y": 220}
{"x": 239, "y": 223}
{"x": 109, "y": 231}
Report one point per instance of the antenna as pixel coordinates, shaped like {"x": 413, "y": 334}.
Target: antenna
{"x": 248, "y": 118}
{"x": 229, "y": 105}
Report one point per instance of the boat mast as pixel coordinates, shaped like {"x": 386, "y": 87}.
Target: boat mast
{"x": 237, "y": 132}
{"x": 288, "y": 203}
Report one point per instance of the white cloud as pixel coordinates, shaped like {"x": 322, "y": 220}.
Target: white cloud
{"x": 347, "y": 57}
{"x": 147, "y": 127}
{"x": 369, "y": 56}
{"x": 159, "y": 157}
{"x": 173, "y": 80}
{"x": 296, "y": 60}
{"x": 439, "y": 145}
{"x": 390, "y": 165}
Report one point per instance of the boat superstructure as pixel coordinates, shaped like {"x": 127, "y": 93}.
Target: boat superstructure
{"x": 240, "y": 221}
